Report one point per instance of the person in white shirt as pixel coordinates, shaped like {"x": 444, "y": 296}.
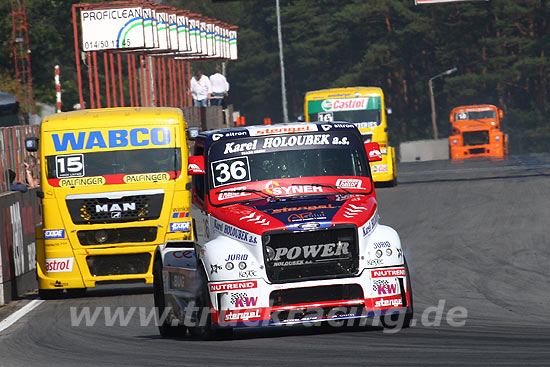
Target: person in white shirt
{"x": 200, "y": 89}
{"x": 220, "y": 87}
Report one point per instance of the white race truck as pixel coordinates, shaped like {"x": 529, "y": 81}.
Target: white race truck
{"x": 287, "y": 232}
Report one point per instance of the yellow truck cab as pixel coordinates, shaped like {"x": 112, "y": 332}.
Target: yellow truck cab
{"x": 364, "y": 107}
{"x": 114, "y": 186}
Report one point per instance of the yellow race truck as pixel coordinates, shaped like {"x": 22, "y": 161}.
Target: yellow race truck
{"x": 114, "y": 185}
{"x": 364, "y": 107}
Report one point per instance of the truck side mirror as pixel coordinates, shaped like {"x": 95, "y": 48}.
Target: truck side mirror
{"x": 500, "y": 113}
{"x": 31, "y": 144}
{"x": 196, "y": 165}
{"x": 373, "y": 152}
{"x": 192, "y": 132}
{"x": 451, "y": 118}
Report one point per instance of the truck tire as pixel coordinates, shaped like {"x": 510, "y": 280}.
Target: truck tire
{"x": 204, "y": 330}
{"x": 166, "y": 329}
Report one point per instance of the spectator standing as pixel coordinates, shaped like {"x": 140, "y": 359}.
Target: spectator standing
{"x": 220, "y": 87}
{"x": 200, "y": 89}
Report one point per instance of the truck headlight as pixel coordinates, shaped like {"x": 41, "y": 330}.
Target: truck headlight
{"x": 101, "y": 236}
{"x": 497, "y": 138}
{"x": 455, "y": 142}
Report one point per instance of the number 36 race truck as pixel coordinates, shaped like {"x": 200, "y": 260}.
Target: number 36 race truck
{"x": 287, "y": 232}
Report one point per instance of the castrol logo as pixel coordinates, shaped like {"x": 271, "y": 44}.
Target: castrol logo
{"x": 59, "y": 265}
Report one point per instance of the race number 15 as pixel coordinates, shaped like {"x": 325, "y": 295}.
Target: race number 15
{"x": 69, "y": 165}
{"x": 230, "y": 171}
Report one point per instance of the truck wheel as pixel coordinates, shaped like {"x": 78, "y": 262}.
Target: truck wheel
{"x": 391, "y": 321}
{"x": 166, "y": 330}
{"x": 204, "y": 329}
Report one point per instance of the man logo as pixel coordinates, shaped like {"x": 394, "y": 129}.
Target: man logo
{"x": 115, "y": 215}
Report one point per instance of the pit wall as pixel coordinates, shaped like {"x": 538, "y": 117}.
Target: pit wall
{"x": 19, "y": 214}
{"x": 424, "y": 150}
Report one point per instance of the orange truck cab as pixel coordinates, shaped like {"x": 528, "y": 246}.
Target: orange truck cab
{"x": 476, "y": 132}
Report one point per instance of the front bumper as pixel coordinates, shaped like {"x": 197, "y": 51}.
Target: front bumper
{"x": 255, "y": 302}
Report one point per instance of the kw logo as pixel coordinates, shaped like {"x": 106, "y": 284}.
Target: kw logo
{"x": 387, "y": 288}
{"x": 246, "y": 301}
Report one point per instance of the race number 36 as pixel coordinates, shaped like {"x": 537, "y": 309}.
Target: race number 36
{"x": 69, "y": 165}
{"x": 230, "y": 171}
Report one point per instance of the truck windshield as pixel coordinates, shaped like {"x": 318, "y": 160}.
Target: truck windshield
{"x": 475, "y": 115}
{"x": 334, "y": 153}
{"x": 114, "y": 162}
{"x": 355, "y": 110}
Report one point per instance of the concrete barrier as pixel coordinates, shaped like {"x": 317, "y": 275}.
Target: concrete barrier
{"x": 19, "y": 215}
{"x": 424, "y": 150}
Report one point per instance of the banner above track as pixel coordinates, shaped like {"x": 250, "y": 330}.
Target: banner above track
{"x": 146, "y": 27}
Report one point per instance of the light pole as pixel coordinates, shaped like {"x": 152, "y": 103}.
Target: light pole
{"x": 432, "y": 100}
{"x": 281, "y": 59}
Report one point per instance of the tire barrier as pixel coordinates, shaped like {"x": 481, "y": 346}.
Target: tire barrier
{"x": 19, "y": 214}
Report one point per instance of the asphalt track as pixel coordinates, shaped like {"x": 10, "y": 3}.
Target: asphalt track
{"x": 475, "y": 235}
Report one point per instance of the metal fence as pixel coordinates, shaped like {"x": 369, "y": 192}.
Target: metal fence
{"x": 13, "y": 154}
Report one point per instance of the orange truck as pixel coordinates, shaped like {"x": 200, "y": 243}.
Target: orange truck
{"x": 476, "y": 132}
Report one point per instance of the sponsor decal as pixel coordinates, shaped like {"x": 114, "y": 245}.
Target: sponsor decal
{"x": 230, "y": 171}
{"x": 234, "y": 232}
{"x": 233, "y": 147}
{"x": 187, "y": 254}
{"x": 388, "y": 302}
{"x": 298, "y": 255}
{"x": 274, "y": 188}
{"x": 384, "y": 244}
{"x": 296, "y": 128}
{"x": 371, "y": 224}
{"x": 399, "y": 252}
{"x": 147, "y": 177}
{"x": 379, "y": 168}
{"x": 387, "y": 289}
{"x": 88, "y": 140}
{"x": 50, "y": 234}
{"x": 231, "y": 286}
{"x": 59, "y": 265}
{"x": 177, "y": 280}
{"x": 348, "y": 104}
{"x": 367, "y": 124}
{"x": 301, "y": 217}
{"x": 237, "y": 257}
{"x": 242, "y": 315}
{"x": 177, "y": 214}
{"x": 349, "y": 183}
{"x": 375, "y": 153}
{"x": 374, "y": 262}
{"x": 180, "y": 226}
{"x": 381, "y": 273}
{"x": 248, "y": 274}
{"x": 82, "y": 181}
{"x": 232, "y": 193}
{"x": 298, "y": 208}
{"x": 216, "y": 137}
{"x": 379, "y": 282}
{"x": 194, "y": 168}
{"x": 242, "y": 300}
{"x": 214, "y": 268}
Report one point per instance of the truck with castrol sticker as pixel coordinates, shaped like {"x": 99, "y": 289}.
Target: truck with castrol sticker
{"x": 364, "y": 107}
{"x": 114, "y": 185}
{"x": 287, "y": 232}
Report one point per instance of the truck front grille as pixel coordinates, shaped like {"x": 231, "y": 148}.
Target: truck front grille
{"x": 117, "y": 235}
{"x": 480, "y": 137}
{"x": 323, "y": 254}
{"x": 326, "y": 293}
{"x": 102, "y": 209}
{"x": 477, "y": 151}
{"x": 102, "y": 265}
